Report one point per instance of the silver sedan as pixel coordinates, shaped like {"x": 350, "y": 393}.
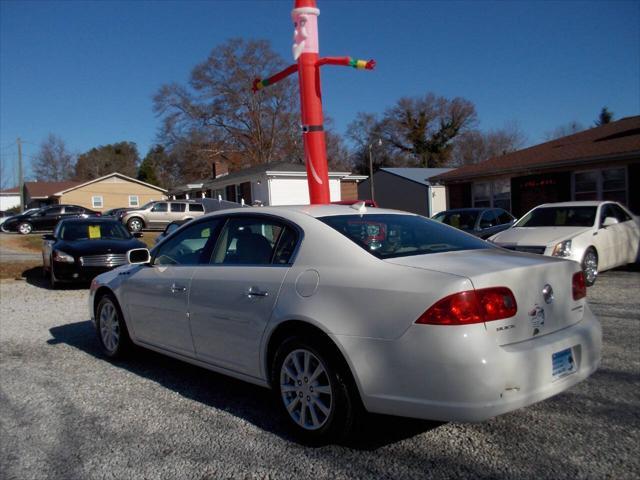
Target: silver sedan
{"x": 341, "y": 310}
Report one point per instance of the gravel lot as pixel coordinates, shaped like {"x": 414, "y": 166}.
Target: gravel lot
{"x": 66, "y": 412}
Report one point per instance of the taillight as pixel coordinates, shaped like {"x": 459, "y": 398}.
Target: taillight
{"x": 578, "y": 286}
{"x": 472, "y": 306}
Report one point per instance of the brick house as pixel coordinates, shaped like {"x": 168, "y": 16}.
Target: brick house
{"x": 602, "y": 163}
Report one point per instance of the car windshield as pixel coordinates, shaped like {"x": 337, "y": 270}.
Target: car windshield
{"x": 31, "y": 211}
{"x": 388, "y": 236}
{"x": 462, "y": 220}
{"x": 559, "y": 217}
{"x": 93, "y": 231}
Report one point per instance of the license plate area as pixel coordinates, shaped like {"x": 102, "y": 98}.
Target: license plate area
{"x": 563, "y": 363}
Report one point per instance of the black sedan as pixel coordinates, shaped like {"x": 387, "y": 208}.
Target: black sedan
{"x": 79, "y": 249}
{"x": 45, "y": 218}
{"x": 481, "y": 222}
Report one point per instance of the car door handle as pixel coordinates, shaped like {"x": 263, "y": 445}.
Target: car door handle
{"x": 178, "y": 288}
{"x": 256, "y": 292}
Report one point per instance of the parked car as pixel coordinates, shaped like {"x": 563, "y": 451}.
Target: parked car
{"x": 481, "y": 222}
{"x": 158, "y": 214}
{"x": 598, "y": 235}
{"x": 6, "y": 215}
{"x": 81, "y": 248}
{"x": 45, "y": 218}
{"x": 334, "y": 307}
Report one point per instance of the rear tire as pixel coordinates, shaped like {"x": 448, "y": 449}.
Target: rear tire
{"x": 25, "y": 228}
{"x": 112, "y": 332}
{"x": 314, "y": 390}
{"x": 590, "y": 266}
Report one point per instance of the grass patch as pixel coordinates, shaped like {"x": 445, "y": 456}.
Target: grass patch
{"x": 18, "y": 270}
{"x": 24, "y": 243}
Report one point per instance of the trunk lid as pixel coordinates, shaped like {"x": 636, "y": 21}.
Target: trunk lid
{"x": 528, "y": 276}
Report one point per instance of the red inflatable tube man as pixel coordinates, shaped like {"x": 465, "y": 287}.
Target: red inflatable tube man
{"x": 305, "y": 52}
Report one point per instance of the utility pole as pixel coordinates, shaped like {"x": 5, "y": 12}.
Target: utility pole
{"x": 20, "y": 175}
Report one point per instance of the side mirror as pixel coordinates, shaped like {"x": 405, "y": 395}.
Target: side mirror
{"x": 138, "y": 256}
{"x": 49, "y": 237}
{"x": 609, "y": 221}
{"x": 137, "y": 234}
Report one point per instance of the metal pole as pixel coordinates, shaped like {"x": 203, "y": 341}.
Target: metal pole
{"x": 371, "y": 173}
{"x": 20, "y": 176}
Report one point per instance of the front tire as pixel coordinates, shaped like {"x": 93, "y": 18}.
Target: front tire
{"x": 113, "y": 335}
{"x": 590, "y": 266}
{"x": 314, "y": 390}
{"x": 53, "y": 283}
{"x": 25, "y": 228}
{"x": 135, "y": 225}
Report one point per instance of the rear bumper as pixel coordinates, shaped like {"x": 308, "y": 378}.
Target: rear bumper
{"x": 461, "y": 374}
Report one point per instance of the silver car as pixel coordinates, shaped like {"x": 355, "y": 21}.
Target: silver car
{"x": 158, "y": 214}
{"x": 339, "y": 310}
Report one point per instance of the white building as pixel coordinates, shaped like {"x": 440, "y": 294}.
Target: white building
{"x": 9, "y": 198}
{"x": 269, "y": 184}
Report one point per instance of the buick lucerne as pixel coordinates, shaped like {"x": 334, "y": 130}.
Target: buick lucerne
{"x": 340, "y": 309}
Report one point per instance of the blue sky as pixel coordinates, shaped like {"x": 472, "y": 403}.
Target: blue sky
{"x": 86, "y": 71}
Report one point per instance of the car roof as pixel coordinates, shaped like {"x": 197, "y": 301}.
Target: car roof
{"x": 585, "y": 203}
{"x": 471, "y": 209}
{"x": 315, "y": 211}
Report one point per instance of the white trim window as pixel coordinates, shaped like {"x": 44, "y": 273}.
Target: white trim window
{"x": 96, "y": 201}
{"x": 134, "y": 201}
{"x": 605, "y": 184}
{"x": 495, "y": 194}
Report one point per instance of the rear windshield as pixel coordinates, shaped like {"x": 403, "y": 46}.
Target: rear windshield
{"x": 93, "y": 231}
{"x": 388, "y": 236}
{"x": 559, "y": 217}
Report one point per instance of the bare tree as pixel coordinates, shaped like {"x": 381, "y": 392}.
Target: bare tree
{"x": 121, "y": 157}
{"x": 475, "y": 146}
{"x": 564, "y": 130}
{"x": 218, "y": 106}
{"x": 53, "y": 162}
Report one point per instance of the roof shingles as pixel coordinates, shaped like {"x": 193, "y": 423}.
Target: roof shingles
{"x": 619, "y": 138}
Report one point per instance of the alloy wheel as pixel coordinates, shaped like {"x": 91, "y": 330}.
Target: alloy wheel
{"x": 25, "y": 228}
{"x": 590, "y": 267}
{"x": 135, "y": 225}
{"x": 109, "y": 327}
{"x": 305, "y": 389}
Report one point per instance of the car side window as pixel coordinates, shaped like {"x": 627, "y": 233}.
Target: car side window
{"x": 488, "y": 219}
{"x": 196, "y": 207}
{"x": 504, "y": 217}
{"x": 73, "y": 210}
{"x": 178, "y": 207}
{"x": 286, "y": 246}
{"x": 191, "y": 247}
{"x": 52, "y": 211}
{"x": 619, "y": 213}
{"x": 159, "y": 207}
{"x": 248, "y": 241}
{"x": 605, "y": 212}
